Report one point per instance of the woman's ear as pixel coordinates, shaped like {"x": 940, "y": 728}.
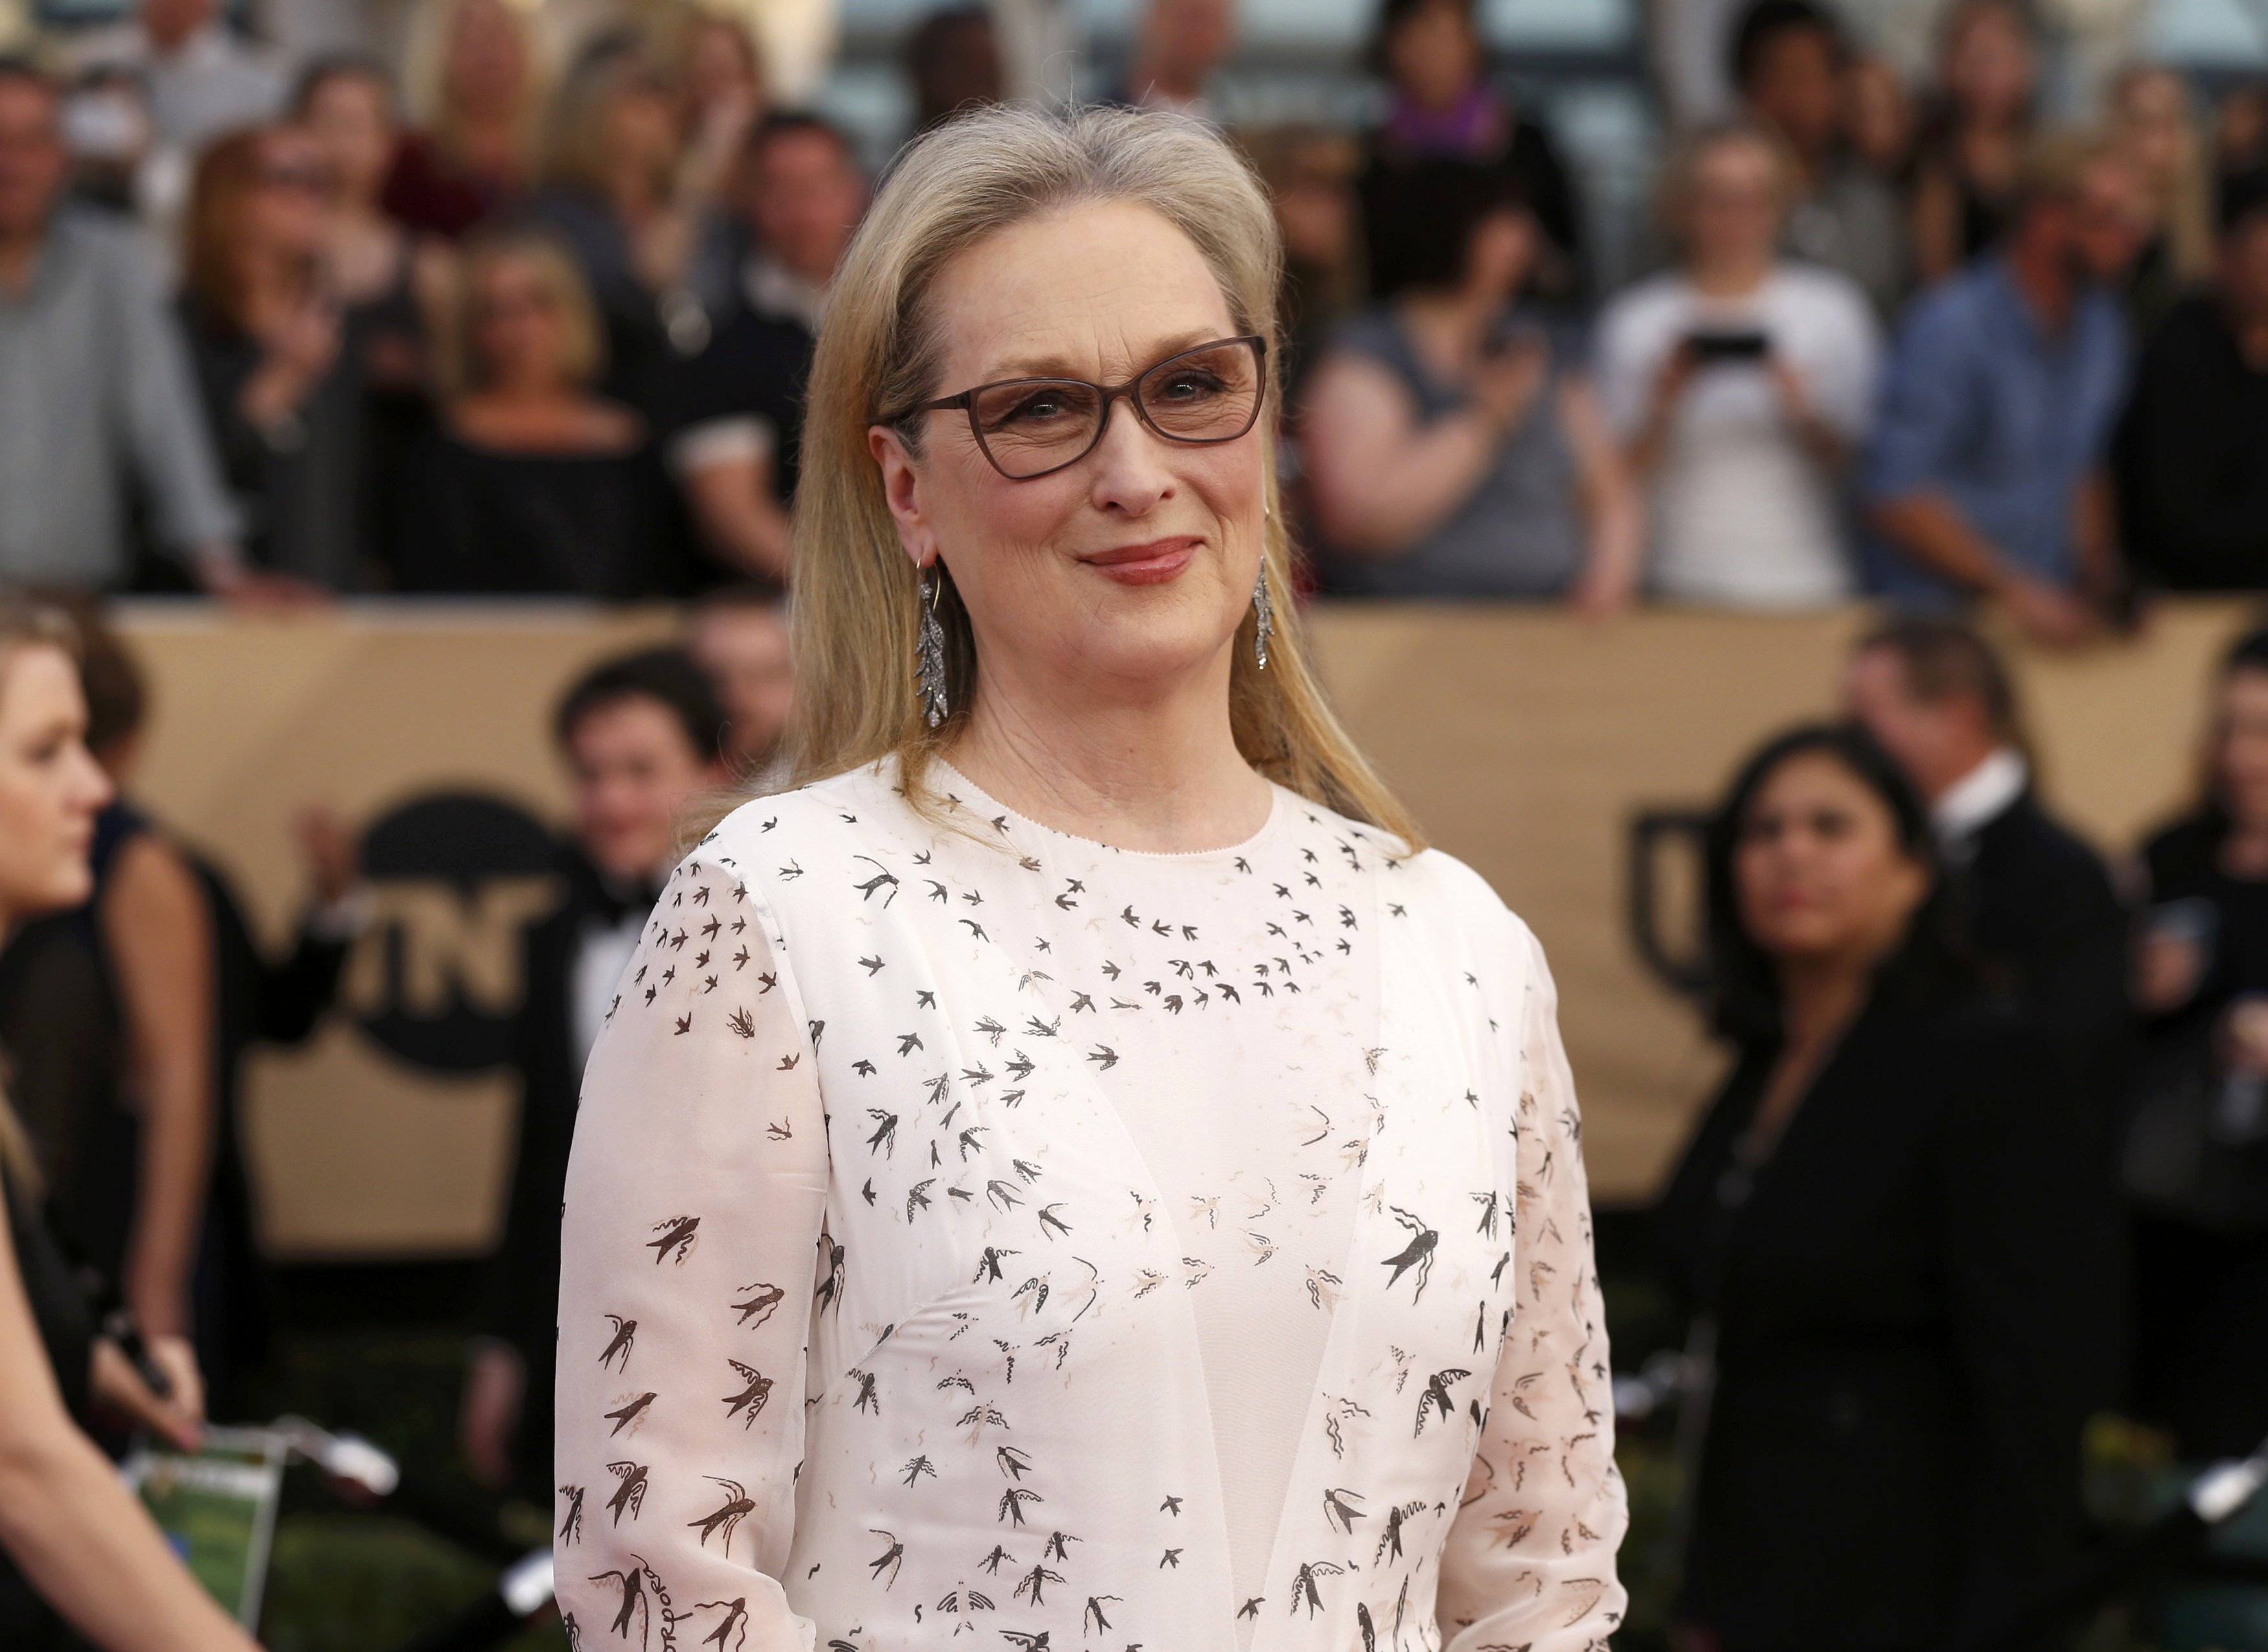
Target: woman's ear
{"x": 902, "y": 490}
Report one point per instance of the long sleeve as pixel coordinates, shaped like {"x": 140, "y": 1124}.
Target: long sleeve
{"x": 1531, "y": 1558}
{"x": 164, "y": 421}
{"x": 2022, "y": 1257}
{"x": 1922, "y": 427}
{"x": 695, "y": 1198}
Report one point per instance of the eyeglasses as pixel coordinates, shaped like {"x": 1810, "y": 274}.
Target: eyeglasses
{"x": 1029, "y": 428}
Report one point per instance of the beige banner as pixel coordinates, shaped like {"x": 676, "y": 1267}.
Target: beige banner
{"x": 1527, "y": 743}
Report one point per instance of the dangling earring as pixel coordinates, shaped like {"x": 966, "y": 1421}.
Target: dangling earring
{"x": 1263, "y": 618}
{"x": 929, "y": 653}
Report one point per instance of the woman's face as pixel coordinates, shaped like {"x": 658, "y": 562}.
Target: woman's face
{"x": 1433, "y": 56}
{"x": 518, "y": 335}
{"x": 1989, "y": 66}
{"x": 640, "y": 120}
{"x": 49, "y": 787}
{"x": 1129, "y": 569}
{"x": 1819, "y": 871}
{"x": 487, "y": 72}
{"x": 1500, "y": 254}
{"x": 350, "y": 124}
{"x": 2155, "y": 129}
{"x": 2241, "y": 754}
{"x": 287, "y": 209}
{"x": 719, "y": 69}
{"x": 1736, "y": 202}
{"x": 1878, "y": 117}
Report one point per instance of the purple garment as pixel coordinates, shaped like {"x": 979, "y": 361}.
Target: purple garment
{"x": 1471, "y": 128}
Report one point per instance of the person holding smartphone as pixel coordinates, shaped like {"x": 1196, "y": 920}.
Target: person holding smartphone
{"x": 1740, "y": 385}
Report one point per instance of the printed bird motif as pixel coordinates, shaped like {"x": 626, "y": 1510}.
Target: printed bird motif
{"x": 1417, "y": 1254}
{"x": 630, "y": 1495}
{"x": 1304, "y": 1591}
{"x": 676, "y": 1240}
{"x": 751, "y": 1397}
{"x": 1436, "y": 1394}
{"x": 631, "y": 1412}
{"x": 727, "y": 1518}
{"x": 762, "y": 1300}
{"x": 625, "y": 1334}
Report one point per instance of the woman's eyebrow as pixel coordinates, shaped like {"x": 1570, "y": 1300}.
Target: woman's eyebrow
{"x": 1062, "y": 366}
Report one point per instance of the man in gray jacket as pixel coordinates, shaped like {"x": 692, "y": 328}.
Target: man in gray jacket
{"x": 96, "y": 391}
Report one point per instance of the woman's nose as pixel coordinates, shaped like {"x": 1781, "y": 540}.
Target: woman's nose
{"x": 1131, "y": 473}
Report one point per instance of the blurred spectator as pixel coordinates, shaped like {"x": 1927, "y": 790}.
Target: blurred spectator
{"x": 641, "y": 738}
{"x": 203, "y": 79}
{"x": 1791, "y": 66}
{"x": 473, "y": 87}
{"x": 1878, "y": 1231}
{"x": 1985, "y": 473}
{"x": 1310, "y": 175}
{"x": 111, "y": 136}
{"x": 1435, "y": 64}
{"x": 739, "y": 638}
{"x": 737, "y": 409}
{"x": 95, "y": 384}
{"x": 721, "y": 79}
{"x": 2049, "y": 931}
{"x": 253, "y": 999}
{"x": 283, "y": 397}
{"x": 385, "y": 285}
{"x": 2239, "y": 133}
{"x": 2192, "y": 481}
{"x": 953, "y": 59}
{"x": 1179, "y": 47}
{"x": 534, "y": 482}
{"x": 658, "y": 261}
{"x": 1971, "y": 150}
{"x": 1878, "y": 118}
{"x": 1740, "y": 385}
{"x": 1452, "y": 448}
{"x": 2153, "y": 127}
{"x": 2193, "y": 1159}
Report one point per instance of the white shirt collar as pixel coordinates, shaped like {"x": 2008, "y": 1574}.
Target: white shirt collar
{"x": 774, "y": 289}
{"x": 1980, "y": 797}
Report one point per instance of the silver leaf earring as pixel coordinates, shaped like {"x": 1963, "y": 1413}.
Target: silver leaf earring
{"x": 929, "y": 653}
{"x": 1263, "y": 618}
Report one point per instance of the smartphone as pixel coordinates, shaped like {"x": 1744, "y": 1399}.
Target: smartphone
{"x": 1742, "y": 346}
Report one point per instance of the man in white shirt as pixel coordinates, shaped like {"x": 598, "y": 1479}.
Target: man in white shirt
{"x": 1179, "y": 49}
{"x": 641, "y": 737}
{"x": 2045, "y": 922}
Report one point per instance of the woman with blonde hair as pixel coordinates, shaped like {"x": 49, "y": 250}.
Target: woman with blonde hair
{"x": 1078, "y": 1166}
{"x": 534, "y": 481}
{"x": 2154, "y": 126}
{"x": 75, "y": 1549}
{"x": 476, "y": 83}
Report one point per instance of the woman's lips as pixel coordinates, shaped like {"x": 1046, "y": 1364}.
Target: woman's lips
{"x": 1152, "y": 563}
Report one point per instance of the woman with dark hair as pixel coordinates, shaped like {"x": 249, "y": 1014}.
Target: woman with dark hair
{"x": 1880, "y": 1233}
{"x": 282, "y": 390}
{"x": 2201, "y": 1232}
{"x": 1435, "y": 63}
{"x": 1970, "y": 154}
{"x": 1452, "y": 447}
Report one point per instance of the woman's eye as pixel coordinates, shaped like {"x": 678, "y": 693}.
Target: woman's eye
{"x": 1189, "y": 387}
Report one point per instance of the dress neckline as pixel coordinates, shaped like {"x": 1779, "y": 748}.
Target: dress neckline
{"x": 966, "y": 793}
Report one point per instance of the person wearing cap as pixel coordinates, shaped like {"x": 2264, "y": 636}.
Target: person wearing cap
{"x": 2194, "y": 493}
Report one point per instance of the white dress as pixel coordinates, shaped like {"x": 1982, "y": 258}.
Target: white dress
{"x": 1137, "y": 1232}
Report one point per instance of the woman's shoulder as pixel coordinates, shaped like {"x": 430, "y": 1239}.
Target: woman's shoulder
{"x": 781, "y": 839}
{"x": 1656, "y": 303}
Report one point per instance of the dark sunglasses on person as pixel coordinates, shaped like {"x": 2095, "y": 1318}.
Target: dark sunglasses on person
{"x": 1029, "y": 428}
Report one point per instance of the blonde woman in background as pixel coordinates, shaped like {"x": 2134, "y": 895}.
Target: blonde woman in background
{"x": 2154, "y": 126}
{"x": 75, "y": 1549}
{"x": 1077, "y": 1167}
{"x": 476, "y": 90}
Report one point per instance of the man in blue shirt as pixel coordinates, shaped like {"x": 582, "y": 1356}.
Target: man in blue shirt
{"x": 1984, "y": 475}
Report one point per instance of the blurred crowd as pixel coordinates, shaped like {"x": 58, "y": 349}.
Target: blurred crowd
{"x": 531, "y": 312}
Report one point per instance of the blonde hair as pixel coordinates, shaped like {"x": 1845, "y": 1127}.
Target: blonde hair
{"x": 576, "y": 139}
{"x": 2184, "y": 202}
{"x": 425, "y": 72}
{"x": 1674, "y": 191}
{"x": 562, "y": 282}
{"x": 27, "y": 623}
{"x": 854, "y": 615}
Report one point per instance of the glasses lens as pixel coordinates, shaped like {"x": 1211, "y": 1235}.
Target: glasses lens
{"x": 1206, "y": 395}
{"x": 1037, "y": 424}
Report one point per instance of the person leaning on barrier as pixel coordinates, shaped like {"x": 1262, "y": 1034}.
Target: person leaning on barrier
{"x": 76, "y": 1548}
{"x": 1878, "y": 1231}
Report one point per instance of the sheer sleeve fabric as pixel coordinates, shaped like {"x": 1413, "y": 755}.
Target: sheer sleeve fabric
{"x": 1531, "y": 1558}
{"x": 695, "y": 1199}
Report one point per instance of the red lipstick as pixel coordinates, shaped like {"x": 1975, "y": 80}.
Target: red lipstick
{"x": 1152, "y": 563}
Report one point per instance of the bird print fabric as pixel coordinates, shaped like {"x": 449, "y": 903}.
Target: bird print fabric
{"x": 972, "y": 1230}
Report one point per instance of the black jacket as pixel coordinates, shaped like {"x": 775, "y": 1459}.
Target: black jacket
{"x": 1908, "y": 1310}
{"x": 520, "y": 1298}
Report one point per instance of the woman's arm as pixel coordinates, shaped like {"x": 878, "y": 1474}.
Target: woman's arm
{"x": 1381, "y": 481}
{"x": 69, "y": 1523}
{"x": 695, "y": 1198}
{"x": 1530, "y": 1557}
{"x": 1614, "y": 516}
{"x": 158, "y": 932}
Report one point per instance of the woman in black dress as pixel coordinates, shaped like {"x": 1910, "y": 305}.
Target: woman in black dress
{"x": 2201, "y": 1230}
{"x": 75, "y": 1549}
{"x": 1880, "y": 1232}
{"x": 534, "y": 484}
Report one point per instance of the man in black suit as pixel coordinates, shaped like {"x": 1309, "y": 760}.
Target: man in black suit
{"x": 642, "y": 737}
